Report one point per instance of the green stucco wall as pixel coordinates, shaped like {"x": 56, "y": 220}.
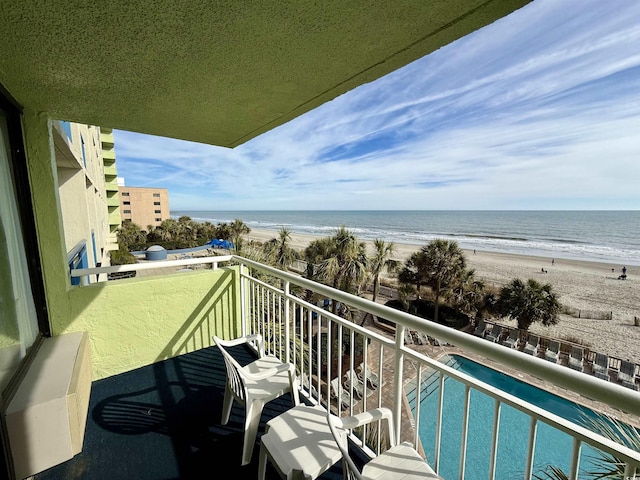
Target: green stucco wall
{"x": 136, "y": 322}
{"x": 132, "y": 322}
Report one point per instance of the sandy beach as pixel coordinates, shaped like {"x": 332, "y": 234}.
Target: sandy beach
{"x": 586, "y": 286}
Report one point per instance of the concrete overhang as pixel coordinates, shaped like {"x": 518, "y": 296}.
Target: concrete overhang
{"x": 219, "y": 72}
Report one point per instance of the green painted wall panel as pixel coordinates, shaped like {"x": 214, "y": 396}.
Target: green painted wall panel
{"x": 140, "y": 321}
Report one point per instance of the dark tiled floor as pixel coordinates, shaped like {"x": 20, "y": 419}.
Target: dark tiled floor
{"x": 163, "y": 422}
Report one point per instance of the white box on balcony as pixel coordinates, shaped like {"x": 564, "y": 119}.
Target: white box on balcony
{"x": 47, "y": 416}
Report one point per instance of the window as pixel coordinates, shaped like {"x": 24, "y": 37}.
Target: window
{"x": 156, "y": 203}
{"x": 126, "y": 203}
{"x": 126, "y": 211}
{"x": 158, "y": 220}
{"x": 84, "y": 156}
{"x": 156, "y": 195}
{"x": 66, "y": 126}
{"x": 157, "y": 211}
{"x": 125, "y": 194}
{"x": 17, "y": 290}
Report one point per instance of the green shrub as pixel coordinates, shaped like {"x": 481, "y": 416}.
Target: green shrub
{"x": 121, "y": 257}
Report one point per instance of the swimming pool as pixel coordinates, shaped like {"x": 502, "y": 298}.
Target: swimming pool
{"x": 553, "y": 447}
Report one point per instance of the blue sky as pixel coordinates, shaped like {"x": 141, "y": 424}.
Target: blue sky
{"x": 539, "y": 110}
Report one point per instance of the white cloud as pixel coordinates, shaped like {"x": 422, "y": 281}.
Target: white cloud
{"x": 538, "y": 110}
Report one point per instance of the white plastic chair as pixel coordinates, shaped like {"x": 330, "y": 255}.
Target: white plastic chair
{"x": 398, "y": 462}
{"x": 253, "y": 386}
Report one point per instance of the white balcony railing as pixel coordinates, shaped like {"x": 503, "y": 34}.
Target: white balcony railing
{"x": 301, "y": 332}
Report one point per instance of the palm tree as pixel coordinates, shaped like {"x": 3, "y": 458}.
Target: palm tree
{"x": 529, "y": 302}
{"x": 131, "y": 237}
{"x": 237, "y": 229}
{"x": 347, "y": 264}
{"x": 317, "y": 251}
{"x": 468, "y": 293}
{"x": 438, "y": 264}
{"x": 380, "y": 261}
{"x": 339, "y": 261}
{"x": 279, "y": 252}
{"x": 414, "y": 272}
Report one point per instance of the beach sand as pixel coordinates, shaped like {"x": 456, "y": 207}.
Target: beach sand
{"x": 586, "y": 286}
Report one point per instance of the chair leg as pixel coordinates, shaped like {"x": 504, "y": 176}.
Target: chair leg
{"x": 262, "y": 463}
{"x": 295, "y": 397}
{"x": 226, "y": 406}
{"x": 251, "y": 424}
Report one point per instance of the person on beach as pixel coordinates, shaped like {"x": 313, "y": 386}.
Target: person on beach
{"x": 553, "y": 260}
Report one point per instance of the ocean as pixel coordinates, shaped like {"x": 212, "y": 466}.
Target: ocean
{"x": 611, "y": 237}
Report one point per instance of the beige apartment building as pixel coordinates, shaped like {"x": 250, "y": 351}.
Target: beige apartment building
{"x": 144, "y": 206}
{"x": 87, "y": 188}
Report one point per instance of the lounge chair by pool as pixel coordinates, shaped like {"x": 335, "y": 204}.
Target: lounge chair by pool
{"x": 576, "y": 359}
{"x": 481, "y": 328}
{"x": 370, "y": 376}
{"x": 553, "y": 352}
{"x": 494, "y": 334}
{"x": 513, "y": 340}
{"x": 531, "y": 347}
{"x": 627, "y": 374}
{"x": 601, "y": 366}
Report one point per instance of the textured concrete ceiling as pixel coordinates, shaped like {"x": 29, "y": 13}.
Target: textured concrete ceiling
{"x": 218, "y": 72}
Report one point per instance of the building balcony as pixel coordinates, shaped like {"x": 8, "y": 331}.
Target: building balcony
{"x": 113, "y": 201}
{"x": 156, "y": 402}
{"x": 110, "y": 170}
{"x": 115, "y": 218}
{"x": 111, "y": 186}
{"x": 106, "y": 138}
{"x": 109, "y": 154}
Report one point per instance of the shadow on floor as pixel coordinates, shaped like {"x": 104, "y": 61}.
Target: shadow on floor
{"x": 163, "y": 422}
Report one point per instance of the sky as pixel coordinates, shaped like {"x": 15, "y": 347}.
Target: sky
{"x": 538, "y": 111}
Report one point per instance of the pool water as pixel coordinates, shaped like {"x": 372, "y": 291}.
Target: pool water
{"x": 553, "y": 447}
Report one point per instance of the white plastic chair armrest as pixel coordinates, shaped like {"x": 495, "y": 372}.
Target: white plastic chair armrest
{"x": 284, "y": 367}
{"x": 369, "y": 416}
{"x": 256, "y": 337}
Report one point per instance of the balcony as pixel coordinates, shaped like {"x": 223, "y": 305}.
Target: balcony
{"x": 160, "y": 419}
{"x": 106, "y": 138}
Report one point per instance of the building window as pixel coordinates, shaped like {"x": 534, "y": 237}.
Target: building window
{"x": 158, "y": 211}
{"x": 156, "y": 195}
{"x": 126, "y": 211}
{"x": 126, "y": 203}
{"x": 125, "y": 194}
{"x": 84, "y": 155}
{"x": 158, "y": 220}
{"x": 156, "y": 203}
{"x": 66, "y": 126}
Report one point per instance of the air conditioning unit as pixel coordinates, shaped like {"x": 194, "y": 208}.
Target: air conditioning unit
{"x": 47, "y": 416}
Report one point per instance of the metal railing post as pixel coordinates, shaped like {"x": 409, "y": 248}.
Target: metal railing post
{"x": 287, "y": 326}
{"x": 397, "y": 381}
{"x": 243, "y": 301}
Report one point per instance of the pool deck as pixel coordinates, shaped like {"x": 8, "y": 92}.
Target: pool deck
{"x": 437, "y": 352}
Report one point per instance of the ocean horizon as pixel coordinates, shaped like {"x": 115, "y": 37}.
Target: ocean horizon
{"x": 611, "y": 237}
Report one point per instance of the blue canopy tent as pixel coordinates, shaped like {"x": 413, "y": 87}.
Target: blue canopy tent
{"x": 217, "y": 243}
